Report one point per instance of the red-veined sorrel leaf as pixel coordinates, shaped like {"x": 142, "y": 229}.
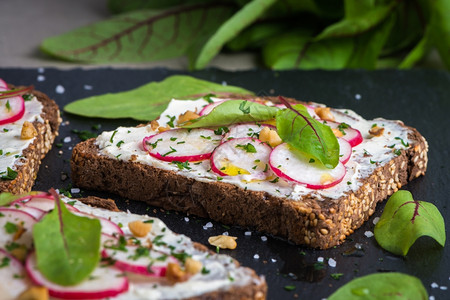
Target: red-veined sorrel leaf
{"x": 382, "y": 286}
{"x": 67, "y": 246}
{"x": 305, "y": 134}
{"x": 15, "y": 92}
{"x": 136, "y": 36}
{"x": 404, "y": 220}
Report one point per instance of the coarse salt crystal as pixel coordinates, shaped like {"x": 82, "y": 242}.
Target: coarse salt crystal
{"x": 186, "y": 219}
{"x": 431, "y": 298}
{"x": 375, "y": 220}
{"x": 320, "y": 259}
{"x": 224, "y": 83}
{"x": 434, "y": 285}
{"x": 332, "y": 263}
{"x": 209, "y": 225}
{"x": 368, "y": 234}
{"x": 443, "y": 287}
{"x": 248, "y": 233}
{"x": 40, "y": 70}
{"x": 67, "y": 139}
{"x": 273, "y": 260}
{"x": 60, "y": 89}
{"x": 88, "y": 87}
{"x": 264, "y": 238}
{"x": 357, "y": 96}
{"x": 358, "y": 246}
{"x": 225, "y": 233}
{"x": 256, "y": 256}
{"x": 40, "y": 78}
{"x": 74, "y": 190}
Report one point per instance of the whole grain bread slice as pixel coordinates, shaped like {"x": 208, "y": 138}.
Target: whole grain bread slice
{"x": 27, "y": 166}
{"x": 320, "y": 224}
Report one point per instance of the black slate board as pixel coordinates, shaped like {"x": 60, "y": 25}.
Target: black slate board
{"x": 420, "y": 98}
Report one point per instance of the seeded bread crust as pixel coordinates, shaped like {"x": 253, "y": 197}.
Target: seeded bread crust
{"x": 28, "y": 166}
{"x": 318, "y": 224}
{"x": 257, "y": 290}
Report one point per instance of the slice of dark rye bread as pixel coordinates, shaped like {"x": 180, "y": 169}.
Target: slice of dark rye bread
{"x": 318, "y": 224}
{"x": 257, "y": 289}
{"x": 28, "y": 166}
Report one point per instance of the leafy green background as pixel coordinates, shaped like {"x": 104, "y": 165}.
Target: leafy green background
{"x": 289, "y": 34}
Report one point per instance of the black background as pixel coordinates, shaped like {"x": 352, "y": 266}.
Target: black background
{"x": 421, "y": 98}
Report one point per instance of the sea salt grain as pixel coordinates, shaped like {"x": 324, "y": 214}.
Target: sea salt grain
{"x": 375, "y": 220}
{"x": 67, "y": 139}
{"x": 320, "y": 259}
{"x": 88, "y": 87}
{"x": 225, "y": 233}
{"x": 443, "y": 287}
{"x": 358, "y": 97}
{"x": 256, "y": 256}
{"x": 273, "y": 260}
{"x": 60, "y": 89}
{"x": 40, "y": 70}
{"x": 264, "y": 238}
{"x": 40, "y": 78}
{"x": 208, "y": 225}
{"x": 434, "y": 285}
{"x": 332, "y": 263}
{"x": 248, "y": 233}
{"x": 74, "y": 190}
{"x": 431, "y": 298}
{"x": 368, "y": 234}
{"x": 224, "y": 83}
{"x": 186, "y": 219}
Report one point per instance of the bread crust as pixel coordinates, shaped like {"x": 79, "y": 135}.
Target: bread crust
{"x": 318, "y": 224}
{"x": 28, "y": 166}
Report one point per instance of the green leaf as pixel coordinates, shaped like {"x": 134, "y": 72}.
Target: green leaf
{"x": 440, "y": 27}
{"x": 256, "y": 35}
{"x": 297, "y": 128}
{"x": 120, "y": 6}
{"x": 144, "y": 35}
{"x": 404, "y": 220}
{"x": 231, "y": 28}
{"x": 417, "y": 53}
{"x": 67, "y": 246}
{"x": 7, "y": 198}
{"x": 382, "y": 286}
{"x": 234, "y": 111}
{"x": 149, "y": 100}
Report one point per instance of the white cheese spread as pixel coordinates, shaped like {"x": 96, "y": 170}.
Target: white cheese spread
{"x": 124, "y": 143}
{"x": 11, "y": 145}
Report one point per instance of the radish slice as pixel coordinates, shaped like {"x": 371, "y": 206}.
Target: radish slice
{"x": 11, "y": 222}
{"x": 182, "y": 144}
{"x": 293, "y": 167}
{"x": 350, "y": 134}
{"x": 309, "y": 108}
{"x": 132, "y": 259}
{"x": 242, "y": 156}
{"x": 3, "y": 85}
{"x": 11, "y": 109}
{"x": 35, "y": 212}
{"x": 108, "y": 227}
{"x": 13, "y": 282}
{"x": 345, "y": 150}
{"x": 46, "y": 204}
{"x": 208, "y": 108}
{"x": 104, "y": 282}
{"x": 244, "y": 131}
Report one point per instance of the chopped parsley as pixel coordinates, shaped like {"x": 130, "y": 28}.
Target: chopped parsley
{"x": 208, "y": 98}
{"x": 171, "y": 151}
{"x": 173, "y": 139}
{"x": 11, "y": 228}
{"x": 402, "y": 141}
{"x": 205, "y": 137}
{"x": 10, "y": 174}
{"x": 249, "y": 148}
{"x": 275, "y": 180}
{"x": 111, "y": 140}
{"x": 5, "y": 129}
{"x": 336, "y": 276}
{"x": 182, "y": 165}
{"x": 8, "y": 106}
{"x": 170, "y": 123}
{"x": 312, "y": 160}
{"x": 27, "y": 97}
{"x": 182, "y": 142}
{"x": 5, "y": 262}
{"x": 289, "y": 287}
{"x": 221, "y": 130}
{"x": 242, "y": 108}
{"x": 155, "y": 143}
{"x": 397, "y": 152}
{"x": 205, "y": 271}
{"x": 343, "y": 126}
{"x": 86, "y": 134}
{"x": 119, "y": 144}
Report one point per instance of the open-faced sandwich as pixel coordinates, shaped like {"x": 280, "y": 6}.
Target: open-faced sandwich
{"x": 29, "y": 122}
{"x": 75, "y": 249}
{"x": 306, "y": 172}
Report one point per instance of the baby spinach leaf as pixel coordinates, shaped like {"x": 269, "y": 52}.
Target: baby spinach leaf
{"x": 234, "y": 111}
{"x": 67, "y": 245}
{"x": 404, "y": 220}
{"x": 142, "y": 35}
{"x": 231, "y": 28}
{"x": 382, "y": 286}
{"x": 297, "y": 128}
{"x": 149, "y": 100}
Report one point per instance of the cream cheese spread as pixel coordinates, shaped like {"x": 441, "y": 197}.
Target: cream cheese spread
{"x": 11, "y": 145}
{"x": 126, "y": 144}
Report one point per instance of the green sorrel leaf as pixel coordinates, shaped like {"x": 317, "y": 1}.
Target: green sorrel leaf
{"x": 404, "y": 220}
{"x": 382, "y": 286}
{"x": 297, "y": 128}
{"x": 67, "y": 246}
{"x": 6, "y": 198}
{"x": 230, "y": 29}
{"x": 235, "y": 111}
{"x": 149, "y": 100}
{"x": 256, "y": 35}
{"x": 144, "y": 35}
{"x": 440, "y": 26}
{"x": 417, "y": 53}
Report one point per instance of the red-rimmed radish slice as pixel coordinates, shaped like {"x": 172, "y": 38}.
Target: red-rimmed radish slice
{"x": 104, "y": 282}
{"x": 31, "y": 195}
{"x": 45, "y": 204}
{"x": 345, "y": 150}
{"x": 309, "y": 108}
{"x": 11, "y": 109}
{"x": 245, "y": 131}
{"x": 13, "y": 282}
{"x": 182, "y": 144}
{"x": 3, "y": 85}
{"x": 208, "y": 108}
{"x": 350, "y": 134}
{"x": 242, "y": 156}
{"x": 293, "y": 167}
{"x": 16, "y": 225}
{"x": 35, "y": 212}
{"x": 108, "y": 227}
{"x": 140, "y": 260}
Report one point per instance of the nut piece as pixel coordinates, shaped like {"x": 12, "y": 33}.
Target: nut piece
{"x": 175, "y": 274}
{"x": 192, "y": 266}
{"x": 326, "y": 178}
{"x": 139, "y": 228}
{"x": 270, "y": 136}
{"x": 162, "y": 129}
{"x": 324, "y": 113}
{"x": 34, "y": 293}
{"x": 376, "y": 131}
{"x": 223, "y": 241}
{"x": 337, "y": 132}
{"x": 154, "y": 125}
{"x": 28, "y": 131}
{"x": 187, "y": 116}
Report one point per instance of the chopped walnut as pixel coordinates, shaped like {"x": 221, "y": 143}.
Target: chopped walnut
{"x": 223, "y": 241}
{"x": 324, "y": 113}
{"x": 192, "y": 266}
{"x": 337, "y": 132}
{"x": 162, "y": 129}
{"x": 376, "y": 131}
{"x": 175, "y": 274}
{"x": 270, "y": 136}
{"x": 187, "y": 116}
{"x": 154, "y": 125}
{"x": 34, "y": 293}
{"x": 139, "y": 228}
{"x": 28, "y": 131}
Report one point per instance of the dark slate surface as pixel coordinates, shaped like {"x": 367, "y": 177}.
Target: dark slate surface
{"x": 420, "y": 98}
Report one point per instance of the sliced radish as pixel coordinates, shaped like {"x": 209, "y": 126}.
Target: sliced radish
{"x": 104, "y": 282}
{"x": 244, "y": 130}
{"x": 16, "y": 226}
{"x": 293, "y": 167}
{"x": 13, "y": 282}
{"x": 208, "y": 108}
{"x": 11, "y": 109}
{"x": 350, "y": 134}
{"x": 182, "y": 144}
{"x": 3, "y": 85}
{"x": 139, "y": 260}
{"x": 345, "y": 150}
{"x": 242, "y": 156}
{"x": 108, "y": 227}
{"x": 309, "y": 108}
{"x": 35, "y": 212}
{"x": 45, "y": 204}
